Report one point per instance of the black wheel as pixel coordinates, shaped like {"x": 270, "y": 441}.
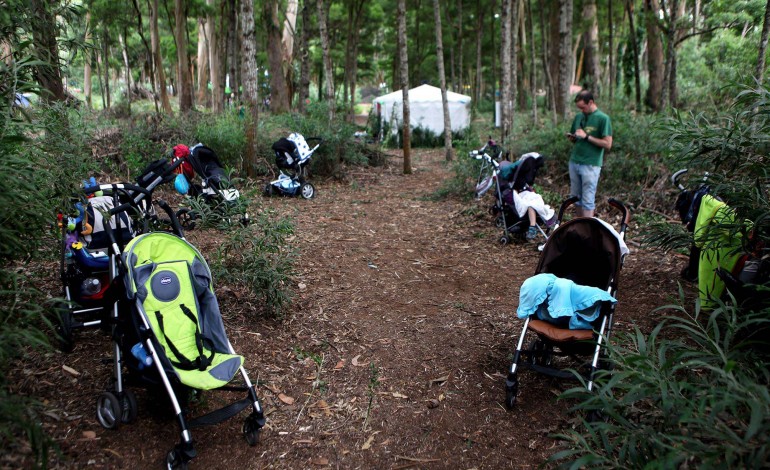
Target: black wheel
{"x": 511, "y": 392}
{"x": 540, "y": 353}
{"x": 251, "y": 431}
{"x": 186, "y": 218}
{"x": 63, "y": 321}
{"x": 129, "y": 406}
{"x": 108, "y": 410}
{"x": 504, "y": 240}
{"x": 245, "y": 220}
{"x": 174, "y": 461}
{"x": 268, "y": 190}
{"x": 307, "y": 191}
{"x": 499, "y": 223}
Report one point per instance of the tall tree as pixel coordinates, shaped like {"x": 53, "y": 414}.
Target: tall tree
{"x": 155, "y": 42}
{"x": 289, "y": 33}
{"x": 611, "y": 55}
{"x": 404, "y": 78}
{"x": 249, "y": 79}
{"x": 355, "y": 14}
{"x": 513, "y": 84}
{"x": 671, "y": 17}
{"x": 327, "y": 58}
{"x": 566, "y": 68}
{"x": 183, "y": 61}
{"x": 635, "y": 52}
{"x": 760, "y": 72}
{"x": 203, "y": 60}
{"x": 124, "y": 50}
{"x": 44, "y": 29}
{"x": 505, "y": 64}
{"x": 549, "y": 79}
{"x": 215, "y": 59}
{"x": 279, "y": 93}
{"x": 591, "y": 46}
{"x": 479, "y": 39}
{"x": 304, "y": 67}
{"x": 106, "y": 66}
{"x": 87, "y": 54}
{"x": 532, "y": 69}
{"x": 442, "y": 81}
{"x": 652, "y": 97}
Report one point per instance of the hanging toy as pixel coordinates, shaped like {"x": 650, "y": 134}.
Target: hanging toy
{"x": 181, "y": 185}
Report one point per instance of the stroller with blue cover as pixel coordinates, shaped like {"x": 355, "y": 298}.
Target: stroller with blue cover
{"x": 582, "y": 259}
{"x": 293, "y": 154}
{"x": 168, "y": 335}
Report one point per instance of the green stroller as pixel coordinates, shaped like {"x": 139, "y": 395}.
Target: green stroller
{"x": 170, "y": 334}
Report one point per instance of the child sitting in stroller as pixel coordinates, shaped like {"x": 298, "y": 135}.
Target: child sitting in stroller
{"x": 520, "y": 193}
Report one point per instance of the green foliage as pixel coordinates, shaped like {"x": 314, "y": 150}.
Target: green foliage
{"x": 258, "y": 257}
{"x": 224, "y": 133}
{"x": 692, "y": 393}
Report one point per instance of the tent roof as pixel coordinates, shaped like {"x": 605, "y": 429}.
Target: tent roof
{"x": 423, "y": 93}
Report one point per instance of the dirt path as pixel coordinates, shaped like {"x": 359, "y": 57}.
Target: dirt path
{"x": 394, "y": 354}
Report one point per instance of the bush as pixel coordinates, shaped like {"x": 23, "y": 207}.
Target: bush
{"x": 224, "y": 133}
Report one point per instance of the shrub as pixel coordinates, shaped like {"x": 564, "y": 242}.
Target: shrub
{"x": 224, "y": 134}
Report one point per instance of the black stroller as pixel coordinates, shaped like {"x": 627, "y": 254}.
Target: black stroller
{"x": 292, "y": 154}
{"x": 588, "y": 253}
{"x": 88, "y": 257}
{"x": 168, "y": 335}
{"x": 215, "y": 189}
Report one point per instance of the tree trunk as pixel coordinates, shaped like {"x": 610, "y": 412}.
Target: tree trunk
{"x": 532, "y": 69}
{"x": 289, "y": 33}
{"x": 760, "y": 72}
{"x": 215, "y": 65}
{"x": 635, "y": 51}
{"x": 327, "y": 59}
{"x": 279, "y": 96}
{"x": 203, "y": 60}
{"x": 87, "y": 54}
{"x": 148, "y": 51}
{"x": 442, "y": 81}
{"x": 48, "y": 74}
{"x": 355, "y": 13}
{"x": 404, "y": 75}
{"x": 124, "y": 50}
{"x": 106, "y": 65}
{"x": 566, "y": 68}
{"x": 155, "y": 42}
{"x": 611, "y": 55}
{"x": 654, "y": 56}
{"x": 505, "y": 65}
{"x": 591, "y": 48}
{"x": 479, "y": 38}
{"x": 250, "y": 84}
{"x": 514, "y": 15}
{"x": 459, "y": 59}
{"x": 546, "y": 67}
{"x": 183, "y": 61}
{"x": 304, "y": 67}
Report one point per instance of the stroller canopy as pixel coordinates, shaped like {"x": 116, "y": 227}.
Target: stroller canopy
{"x": 208, "y": 166}
{"x": 583, "y": 250}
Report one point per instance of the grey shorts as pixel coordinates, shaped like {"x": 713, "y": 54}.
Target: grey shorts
{"x": 583, "y": 181}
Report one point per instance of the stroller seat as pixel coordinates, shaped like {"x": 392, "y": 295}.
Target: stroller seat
{"x": 175, "y": 318}
{"x": 559, "y": 335}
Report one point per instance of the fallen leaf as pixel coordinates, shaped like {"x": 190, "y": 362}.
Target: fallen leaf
{"x": 286, "y": 399}
{"x": 302, "y": 286}
{"x": 322, "y": 405}
{"x": 320, "y": 461}
{"x": 340, "y": 365}
{"x": 440, "y": 379}
{"x": 272, "y": 388}
{"x": 368, "y": 443}
{"x": 398, "y": 395}
{"x": 70, "y": 370}
{"x": 356, "y": 363}
{"x": 89, "y": 435}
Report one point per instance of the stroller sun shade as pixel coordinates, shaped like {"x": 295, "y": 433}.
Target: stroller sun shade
{"x": 285, "y": 153}
{"x": 208, "y": 166}
{"x": 584, "y": 251}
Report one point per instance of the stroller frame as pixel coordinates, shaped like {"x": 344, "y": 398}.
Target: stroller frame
{"x": 117, "y": 405}
{"x": 293, "y": 183}
{"x": 555, "y": 341}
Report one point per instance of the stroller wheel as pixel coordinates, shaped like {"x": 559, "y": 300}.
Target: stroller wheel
{"x": 174, "y": 461}
{"x": 511, "y": 392}
{"x": 63, "y": 327}
{"x": 540, "y": 354}
{"x": 504, "y": 240}
{"x": 129, "y": 406}
{"x": 307, "y": 190}
{"x": 108, "y": 410}
{"x": 186, "y": 218}
{"x": 251, "y": 431}
{"x": 499, "y": 223}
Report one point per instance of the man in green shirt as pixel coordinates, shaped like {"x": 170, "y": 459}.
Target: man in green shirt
{"x": 591, "y": 132}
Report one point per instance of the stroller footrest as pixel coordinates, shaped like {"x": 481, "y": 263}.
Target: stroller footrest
{"x": 558, "y": 373}
{"x": 222, "y": 414}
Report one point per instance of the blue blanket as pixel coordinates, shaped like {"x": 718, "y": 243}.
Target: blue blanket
{"x": 561, "y": 301}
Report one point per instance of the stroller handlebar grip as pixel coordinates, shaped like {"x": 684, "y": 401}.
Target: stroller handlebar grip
{"x": 177, "y": 227}
{"x": 626, "y": 214}
{"x": 564, "y": 205}
{"x": 675, "y": 179}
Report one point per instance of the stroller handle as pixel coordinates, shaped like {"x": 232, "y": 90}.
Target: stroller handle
{"x": 626, "y": 214}
{"x": 675, "y": 179}
{"x": 564, "y": 205}
{"x": 177, "y": 227}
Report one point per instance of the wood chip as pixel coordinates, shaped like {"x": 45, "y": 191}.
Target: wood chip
{"x": 70, "y": 370}
{"x": 286, "y": 399}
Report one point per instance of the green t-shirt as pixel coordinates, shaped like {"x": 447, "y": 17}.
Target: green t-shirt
{"x": 596, "y": 124}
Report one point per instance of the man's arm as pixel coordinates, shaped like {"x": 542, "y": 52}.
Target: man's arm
{"x": 604, "y": 142}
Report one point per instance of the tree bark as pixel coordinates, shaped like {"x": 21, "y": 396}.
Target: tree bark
{"x": 404, "y": 77}
{"x": 442, "y": 81}
{"x": 124, "y": 50}
{"x": 514, "y": 65}
{"x": 566, "y": 68}
{"x": 183, "y": 61}
{"x": 106, "y": 65}
{"x": 87, "y": 53}
{"x": 532, "y": 61}
{"x": 591, "y": 48}
{"x": 611, "y": 55}
{"x": 479, "y": 38}
{"x": 505, "y": 66}
{"x": 250, "y": 84}
{"x": 327, "y": 59}
{"x": 215, "y": 62}
{"x": 654, "y": 56}
{"x": 635, "y": 47}
{"x": 304, "y": 67}
{"x": 48, "y": 74}
{"x": 760, "y": 72}
{"x": 203, "y": 60}
{"x": 459, "y": 59}
{"x": 148, "y": 51}
{"x": 289, "y": 33}
{"x": 279, "y": 96}
{"x": 355, "y": 12}
{"x": 546, "y": 67}
{"x": 155, "y": 42}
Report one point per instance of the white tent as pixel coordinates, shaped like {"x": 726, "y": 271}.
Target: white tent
{"x": 425, "y": 108}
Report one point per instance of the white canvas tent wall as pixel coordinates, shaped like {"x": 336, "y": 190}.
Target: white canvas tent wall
{"x": 425, "y": 109}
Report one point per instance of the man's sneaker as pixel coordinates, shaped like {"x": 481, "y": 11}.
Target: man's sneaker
{"x": 531, "y": 234}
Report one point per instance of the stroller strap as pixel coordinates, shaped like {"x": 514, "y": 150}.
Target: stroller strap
{"x": 201, "y": 362}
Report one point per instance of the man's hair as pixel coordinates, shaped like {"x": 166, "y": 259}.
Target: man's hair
{"x": 585, "y": 96}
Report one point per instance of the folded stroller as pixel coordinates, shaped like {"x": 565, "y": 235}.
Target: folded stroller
{"x": 582, "y": 256}
{"x": 87, "y": 253}
{"x": 215, "y": 189}
{"x": 169, "y": 335}
{"x": 293, "y": 155}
